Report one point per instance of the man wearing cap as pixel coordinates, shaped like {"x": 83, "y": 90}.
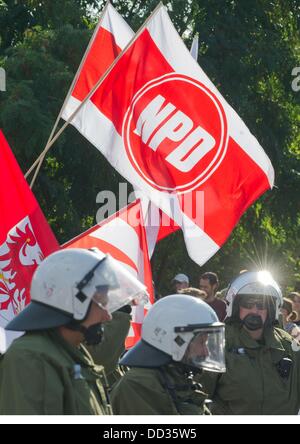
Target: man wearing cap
{"x": 48, "y": 371}
{"x": 180, "y": 282}
{"x": 263, "y": 362}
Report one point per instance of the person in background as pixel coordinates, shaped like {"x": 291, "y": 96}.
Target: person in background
{"x": 180, "y": 282}
{"x": 194, "y": 292}
{"x": 263, "y": 364}
{"x": 181, "y": 336}
{"x": 209, "y": 282}
{"x": 221, "y": 294}
{"x": 295, "y": 297}
{"x": 157, "y": 294}
{"x": 288, "y": 318}
{"x": 48, "y": 371}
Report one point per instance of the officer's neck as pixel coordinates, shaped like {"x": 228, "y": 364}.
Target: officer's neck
{"x": 256, "y": 335}
{"x": 74, "y": 338}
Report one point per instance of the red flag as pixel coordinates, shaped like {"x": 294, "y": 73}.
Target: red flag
{"x": 111, "y": 36}
{"x": 123, "y": 237}
{"x": 25, "y": 236}
{"x": 167, "y": 129}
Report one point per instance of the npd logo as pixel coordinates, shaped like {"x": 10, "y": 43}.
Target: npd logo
{"x": 175, "y": 133}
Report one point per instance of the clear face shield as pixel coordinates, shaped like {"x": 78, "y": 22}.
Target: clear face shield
{"x": 113, "y": 286}
{"x": 206, "y": 350}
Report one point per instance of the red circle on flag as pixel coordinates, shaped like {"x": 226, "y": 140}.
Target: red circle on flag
{"x": 175, "y": 133}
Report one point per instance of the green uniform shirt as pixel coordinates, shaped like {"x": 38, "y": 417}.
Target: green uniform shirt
{"x": 252, "y": 384}
{"x": 145, "y": 391}
{"x": 108, "y": 352}
{"x": 41, "y": 374}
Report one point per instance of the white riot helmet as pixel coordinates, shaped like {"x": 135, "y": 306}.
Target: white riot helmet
{"x": 254, "y": 284}
{"x": 182, "y": 329}
{"x": 64, "y": 286}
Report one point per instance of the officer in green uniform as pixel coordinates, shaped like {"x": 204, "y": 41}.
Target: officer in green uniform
{"x": 48, "y": 371}
{"x": 180, "y": 336}
{"x": 108, "y": 352}
{"x": 263, "y": 361}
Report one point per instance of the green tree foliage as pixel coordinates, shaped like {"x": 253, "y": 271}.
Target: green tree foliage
{"x": 247, "y": 48}
{"x": 17, "y": 16}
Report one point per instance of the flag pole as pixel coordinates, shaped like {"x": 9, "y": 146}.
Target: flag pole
{"x": 100, "y": 81}
{"x": 195, "y": 47}
{"x": 40, "y": 159}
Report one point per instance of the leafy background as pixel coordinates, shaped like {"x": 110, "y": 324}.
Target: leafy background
{"x": 248, "y": 49}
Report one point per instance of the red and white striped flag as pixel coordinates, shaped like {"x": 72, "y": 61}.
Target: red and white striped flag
{"x": 111, "y": 36}
{"x": 123, "y": 237}
{"x": 25, "y": 239}
{"x": 168, "y": 131}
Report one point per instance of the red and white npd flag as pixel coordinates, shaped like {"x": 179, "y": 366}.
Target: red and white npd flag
{"x": 123, "y": 237}
{"x": 164, "y": 126}
{"x": 110, "y": 37}
{"x": 25, "y": 236}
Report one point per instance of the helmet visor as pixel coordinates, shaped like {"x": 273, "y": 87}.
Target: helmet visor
{"x": 115, "y": 286}
{"x": 206, "y": 350}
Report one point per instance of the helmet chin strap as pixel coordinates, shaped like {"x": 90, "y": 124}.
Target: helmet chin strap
{"x": 189, "y": 369}
{"x": 93, "y": 335}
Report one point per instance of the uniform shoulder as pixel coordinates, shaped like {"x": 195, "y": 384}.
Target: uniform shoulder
{"x": 29, "y": 342}
{"x": 140, "y": 392}
{"x": 140, "y": 375}
{"x": 36, "y": 344}
{"x": 283, "y": 335}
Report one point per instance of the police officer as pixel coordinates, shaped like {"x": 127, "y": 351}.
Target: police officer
{"x": 180, "y": 336}
{"x": 263, "y": 368}
{"x": 112, "y": 346}
{"x": 48, "y": 371}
